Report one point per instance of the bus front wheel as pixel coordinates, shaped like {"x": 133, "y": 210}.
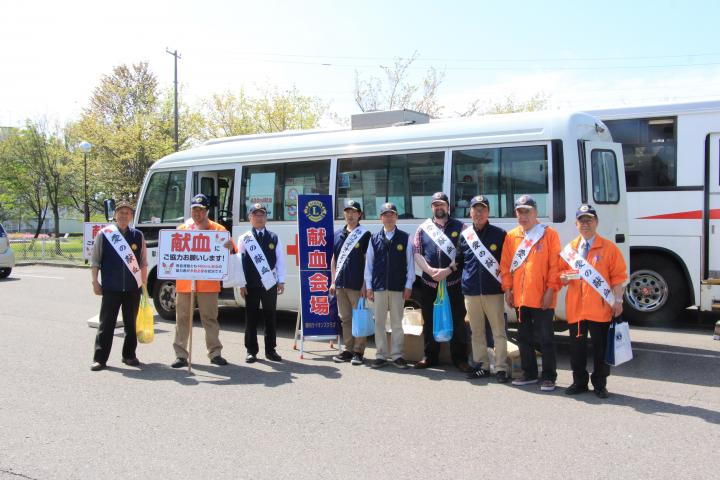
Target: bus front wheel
{"x": 656, "y": 292}
{"x": 164, "y": 298}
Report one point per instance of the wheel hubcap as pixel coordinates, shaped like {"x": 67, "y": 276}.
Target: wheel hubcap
{"x": 647, "y": 291}
{"x": 167, "y": 296}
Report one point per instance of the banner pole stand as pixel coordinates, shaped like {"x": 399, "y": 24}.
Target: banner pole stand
{"x": 192, "y": 311}
{"x": 297, "y": 327}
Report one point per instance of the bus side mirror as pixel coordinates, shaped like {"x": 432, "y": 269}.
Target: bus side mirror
{"x": 109, "y": 206}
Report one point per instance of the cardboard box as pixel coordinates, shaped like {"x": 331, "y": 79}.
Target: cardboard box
{"x": 413, "y": 341}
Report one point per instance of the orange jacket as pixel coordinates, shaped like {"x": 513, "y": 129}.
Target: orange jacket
{"x": 582, "y": 302}
{"x": 201, "y": 286}
{"x": 538, "y": 272}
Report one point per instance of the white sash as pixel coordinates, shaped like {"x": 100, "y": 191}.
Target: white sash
{"x": 118, "y": 242}
{"x": 482, "y": 253}
{"x": 440, "y": 239}
{"x": 526, "y": 245}
{"x": 588, "y": 273}
{"x": 257, "y": 256}
{"x": 347, "y": 247}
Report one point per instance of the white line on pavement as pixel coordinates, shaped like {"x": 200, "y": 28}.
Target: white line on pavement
{"x": 21, "y": 275}
{"x": 701, "y": 355}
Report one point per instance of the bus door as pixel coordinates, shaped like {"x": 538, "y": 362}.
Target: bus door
{"x": 605, "y": 190}
{"x": 712, "y": 210}
{"x": 207, "y": 184}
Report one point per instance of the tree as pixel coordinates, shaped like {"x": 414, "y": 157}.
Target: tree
{"x": 230, "y": 114}
{"x": 396, "y": 90}
{"x": 538, "y": 101}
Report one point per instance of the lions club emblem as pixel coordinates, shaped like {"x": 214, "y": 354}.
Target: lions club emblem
{"x": 400, "y": 247}
{"x": 454, "y": 234}
{"x": 133, "y": 246}
{"x": 271, "y": 246}
{"x": 493, "y": 247}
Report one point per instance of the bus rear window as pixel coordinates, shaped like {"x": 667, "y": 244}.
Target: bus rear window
{"x": 164, "y": 199}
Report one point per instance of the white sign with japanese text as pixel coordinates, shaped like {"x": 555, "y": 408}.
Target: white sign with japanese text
{"x": 193, "y": 254}
{"x": 90, "y": 231}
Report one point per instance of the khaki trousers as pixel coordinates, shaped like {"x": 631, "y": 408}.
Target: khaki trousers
{"x": 393, "y": 302}
{"x": 347, "y": 300}
{"x": 491, "y": 306}
{"x": 208, "y": 305}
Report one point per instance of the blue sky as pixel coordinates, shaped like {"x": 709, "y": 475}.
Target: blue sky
{"x": 580, "y": 54}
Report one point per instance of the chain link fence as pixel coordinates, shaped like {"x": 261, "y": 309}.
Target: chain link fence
{"x": 46, "y": 249}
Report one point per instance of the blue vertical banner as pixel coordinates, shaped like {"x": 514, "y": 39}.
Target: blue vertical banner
{"x": 315, "y": 243}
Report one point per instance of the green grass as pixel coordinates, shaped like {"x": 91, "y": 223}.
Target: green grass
{"x": 69, "y": 250}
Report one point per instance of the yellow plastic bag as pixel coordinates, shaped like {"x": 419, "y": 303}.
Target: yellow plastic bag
{"x": 144, "y": 326}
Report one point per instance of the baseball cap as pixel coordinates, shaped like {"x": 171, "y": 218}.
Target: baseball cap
{"x": 439, "y": 197}
{"x": 256, "y": 207}
{"x": 124, "y": 204}
{"x": 388, "y": 207}
{"x": 200, "y": 200}
{"x": 480, "y": 200}
{"x": 525, "y": 202}
{"x": 586, "y": 210}
{"x": 353, "y": 205}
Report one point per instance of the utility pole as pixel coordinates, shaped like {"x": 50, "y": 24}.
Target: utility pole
{"x": 177, "y": 56}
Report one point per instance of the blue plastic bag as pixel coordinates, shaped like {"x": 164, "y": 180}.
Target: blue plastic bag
{"x": 363, "y": 321}
{"x": 442, "y": 315}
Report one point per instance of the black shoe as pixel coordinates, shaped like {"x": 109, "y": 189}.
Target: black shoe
{"x": 601, "y": 392}
{"x": 379, "y": 363}
{"x": 464, "y": 367}
{"x": 575, "y": 389}
{"x": 343, "y": 357}
{"x": 218, "y": 361}
{"x": 250, "y": 358}
{"x": 97, "y": 366}
{"x": 478, "y": 372}
{"x": 273, "y": 356}
{"x": 179, "y": 363}
{"x": 502, "y": 377}
{"x": 400, "y": 363}
{"x": 425, "y": 363}
{"x": 357, "y": 359}
{"x": 131, "y": 362}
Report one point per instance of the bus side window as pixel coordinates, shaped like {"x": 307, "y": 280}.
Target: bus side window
{"x": 408, "y": 180}
{"x": 164, "y": 198}
{"x": 502, "y": 174}
{"x": 277, "y": 186}
{"x": 605, "y": 185}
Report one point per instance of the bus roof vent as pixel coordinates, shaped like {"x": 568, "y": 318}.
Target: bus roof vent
{"x": 389, "y": 118}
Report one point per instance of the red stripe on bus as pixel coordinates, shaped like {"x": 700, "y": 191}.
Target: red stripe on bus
{"x": 690, "y": 215}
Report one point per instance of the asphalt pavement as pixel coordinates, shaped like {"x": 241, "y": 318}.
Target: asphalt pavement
{"x": 313, "y": 418}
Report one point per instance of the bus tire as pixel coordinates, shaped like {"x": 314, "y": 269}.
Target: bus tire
{"x": 5, "y": 272}
{"x": 657, "y": 292}
{"x": 164, "y": 298}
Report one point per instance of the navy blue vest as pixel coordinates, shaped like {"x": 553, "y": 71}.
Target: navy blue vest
{"x": 269, "y": 246}
{"x": 389, "y": 269}
{"x": 435, "y": 257}
{"x": 476, "y": 280}
{"x": 352, "y": 274}
{"x": 114, "y": 274}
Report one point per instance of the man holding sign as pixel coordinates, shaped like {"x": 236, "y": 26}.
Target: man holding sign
{"x": 120, "y": 257}
{"x": 206, "y": 295}
{"x": 480, "y": 250}
{"x": 263, "y": 263}
{"x": 595, "y": 275}
{"x": 348, "y": 278}
{"x": 530, "y": 278}
{"x": 435, "y": 248}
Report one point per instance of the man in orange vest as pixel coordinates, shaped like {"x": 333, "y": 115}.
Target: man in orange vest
{"x": 595, "y": 275}
{"x": 206, "y": 295}
{"x": 530, "y": 280}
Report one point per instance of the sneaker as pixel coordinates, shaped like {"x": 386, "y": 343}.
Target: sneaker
{"x": 343, "y": 357}
{"x": 179, "y": 363}
{"x": 575, "y": 389}
{"x": 478, "y": 372}
{"x": 547, "y": 386}
{"x": 97, "y": 366}
{"x": 218, "y": 360}
{"x": 357, "y": 359}
{"x": 379, "y": 363}
{"x": 400, "y": 363}
{"x": 251, "y": 358}
{"x": 524, "y": 381}
{"x": 501, "y": 377}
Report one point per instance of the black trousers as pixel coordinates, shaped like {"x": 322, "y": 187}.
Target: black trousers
{"x": 536, "y": 327}
{"x": 458, "y": 344}
{"x": 111, "y": 304}
{"x": 578, "y": 352}
{"x": 268, "y": 298}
